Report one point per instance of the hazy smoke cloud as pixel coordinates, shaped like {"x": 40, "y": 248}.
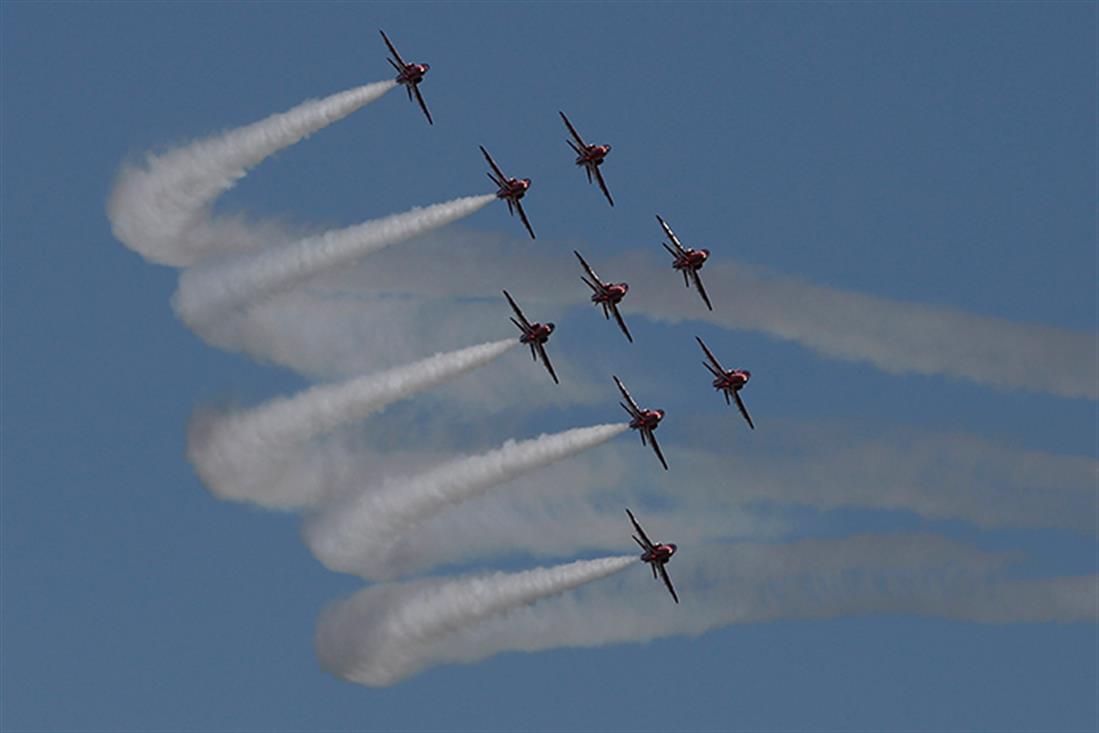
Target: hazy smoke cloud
{"x": 251, "y": 455}
{"x": 362, "y": 533}
{"x": 373, "y": 637}
{"x": 208, "y": 290}
{"x": 386, "y": 633}
{"x": 161, "y": 209}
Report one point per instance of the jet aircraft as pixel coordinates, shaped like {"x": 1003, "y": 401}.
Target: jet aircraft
{"x": 535, "y": 335}
{"x": 509, "y": 189}
{"x": 656, "y": 555}
{"x": 645, "y": 421}
{"x": 408, "y": 75}
{"x": 589, "y": 156}
{"x": 607, "y": 295}
{"x": 728, "y": 381}
{"x": 687, "y": 260}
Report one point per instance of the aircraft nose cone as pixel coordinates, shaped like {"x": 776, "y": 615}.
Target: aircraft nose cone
{"x": 550, "y": 327}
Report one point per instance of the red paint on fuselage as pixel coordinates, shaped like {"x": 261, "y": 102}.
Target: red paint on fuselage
{"x": 539, "y": 333}
{"x": 732, "y": 380}
{"x": 593, "y": 155}
{"x": 612, "y": 293}
{"x": 648, "y": 420}
{"x": 661, "y": 553}
{"x": 513, "y": 189}
{"x": 412, "y": 74}
{"x": 691, "y": 259}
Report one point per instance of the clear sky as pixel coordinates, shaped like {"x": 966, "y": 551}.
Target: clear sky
{"x": 896, "y": 171}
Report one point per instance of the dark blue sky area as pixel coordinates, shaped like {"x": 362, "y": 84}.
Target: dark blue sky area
{"x": 937, "y": 153}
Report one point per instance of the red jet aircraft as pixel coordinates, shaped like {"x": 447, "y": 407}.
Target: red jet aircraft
{"x": 729, "y": 381}
{"x": 589, "y": 156}
{"x": 645, "y": 421}
{"x": 509, "y": 189}
{"x": 608, "y": 295}
{"x": 535, "y": 335}
{"x": 409, "y": 75}
{"x": 657, "y": 556}
{"x": 688, "y": 261}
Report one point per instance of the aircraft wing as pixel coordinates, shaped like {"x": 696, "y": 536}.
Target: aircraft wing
{"x": 587, "y": 269}
{"x": 545, "y": 360}
{"x": 645, "y": 542}
{"x": 697, "y": 280}
{"x": 670, "y": 234}
{"x": 621, "y": 323}
{"x": 668, "y": 582}
{"x": 523, "y": 216}
{"x": 423, "y": 105}
{"x": 656, "y": 449}
{"x": 518, "y": 312}
{"x": 392, "y": 49}
{"x": 572, "y": 131}
{"x": 602, "y": 185}
{"x": 743, "y": 410}
{"x": 712, "y": 358}
{"x": 492, "y": 164}
{"x": 625, "y": 394}
{"x": 671, "y": 251}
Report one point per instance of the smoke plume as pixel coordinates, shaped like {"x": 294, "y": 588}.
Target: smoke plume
{"x": 161, "y": 209}
{"x": 210, "y": 289}
{"x": 377, "y": 637}
{"x": 385, "y": 633}
{"x": 252, "y": 455}
{"x": 363, "y": 533}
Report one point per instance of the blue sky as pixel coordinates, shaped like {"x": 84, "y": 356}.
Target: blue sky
{"x": 937, "y": 155}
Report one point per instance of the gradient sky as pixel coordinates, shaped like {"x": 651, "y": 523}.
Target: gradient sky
{"x": 933, "y": 153}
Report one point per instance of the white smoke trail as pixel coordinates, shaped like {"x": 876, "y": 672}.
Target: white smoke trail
{"x": 252, "y": 455}
{"x": 371, "y": 638}
{"x": 896, "y": 336}
{"x": 363, "y": 533}
{"x": 160, "y": 209}
{"x": 210, "y": 289}
{"x": 385, "y": 633}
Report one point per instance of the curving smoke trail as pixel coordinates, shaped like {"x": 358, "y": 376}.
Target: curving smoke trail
{"x": 364, "y": 534}
{"x": 209, "y": 290}
{"x": 385, "y": 633}
{"x": 161, "y": 209}
{"x": 896, "y": 336}
{"x": 251, "y": 455}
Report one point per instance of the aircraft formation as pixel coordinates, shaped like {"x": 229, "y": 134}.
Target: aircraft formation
{"x": 688, "y": 261}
